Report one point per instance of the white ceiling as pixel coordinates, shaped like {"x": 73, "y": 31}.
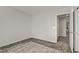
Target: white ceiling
{"x": 37, "y": 9}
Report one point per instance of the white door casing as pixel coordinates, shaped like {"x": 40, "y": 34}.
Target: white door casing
{"x": 71, "y": 30}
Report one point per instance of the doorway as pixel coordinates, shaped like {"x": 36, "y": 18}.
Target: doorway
{"x": 63, "y": 29}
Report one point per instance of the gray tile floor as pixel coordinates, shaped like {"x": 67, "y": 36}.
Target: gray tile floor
{"x": 33, "y": 45}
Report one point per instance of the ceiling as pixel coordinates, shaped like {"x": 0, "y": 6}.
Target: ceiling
{"x": 37, "y": 9}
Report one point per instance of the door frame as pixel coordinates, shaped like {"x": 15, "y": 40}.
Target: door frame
{"x": 71, "y": 28}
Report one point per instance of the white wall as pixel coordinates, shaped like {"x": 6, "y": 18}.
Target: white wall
{"x": 44, "y": 26}
{"x": 14, "y": 26}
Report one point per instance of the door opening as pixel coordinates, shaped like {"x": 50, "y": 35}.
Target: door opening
{"x": 63, "y": 29}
